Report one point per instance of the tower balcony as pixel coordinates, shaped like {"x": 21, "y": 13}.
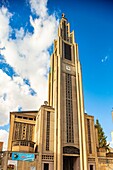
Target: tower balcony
{"x": 23, "y": 146}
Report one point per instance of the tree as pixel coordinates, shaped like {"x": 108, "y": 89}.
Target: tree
{"x": 101, "y": 136}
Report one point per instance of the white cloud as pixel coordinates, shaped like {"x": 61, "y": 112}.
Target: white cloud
{"x": 29, "y": 57}
{"x": 4, "y": 138}
{"x": 39, "y": 7}
{"x": 4, "y": 26}
{"x": 104, "y": 59}
{"x": 19, "y": 33}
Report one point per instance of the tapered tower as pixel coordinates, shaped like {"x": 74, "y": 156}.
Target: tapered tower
{"x": 66, "y": 97}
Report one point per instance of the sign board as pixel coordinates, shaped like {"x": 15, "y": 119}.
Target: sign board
{"x": 14, "y": 163}
{"x": 23, "y": 156}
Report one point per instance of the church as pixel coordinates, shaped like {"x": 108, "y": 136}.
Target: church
{"x": 60, "y": 135}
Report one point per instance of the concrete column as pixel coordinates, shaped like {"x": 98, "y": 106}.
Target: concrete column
{"x": 51, "y": 166}
{"x": 5, "y": 161}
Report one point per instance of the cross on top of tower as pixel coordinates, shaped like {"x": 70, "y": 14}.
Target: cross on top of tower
{"x": 63, "y": 15}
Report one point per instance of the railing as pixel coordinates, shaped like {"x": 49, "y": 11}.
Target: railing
{"x": 23, "y": 143}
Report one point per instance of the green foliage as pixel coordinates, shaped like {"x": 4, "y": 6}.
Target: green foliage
{"x": 101, "y": 136}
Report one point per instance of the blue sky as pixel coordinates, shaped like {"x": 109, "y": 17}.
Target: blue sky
{"x": 24, "y": 54}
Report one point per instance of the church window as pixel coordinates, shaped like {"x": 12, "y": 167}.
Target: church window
{"x": 67, "y": 51}
{"x": 20, "y": 117}
{"x": 64, "y": 30}
{"x": 30, "y": 118}
{"x": 25, "y": 118}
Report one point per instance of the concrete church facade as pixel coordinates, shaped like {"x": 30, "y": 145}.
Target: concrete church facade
{"x": 60, "y": 134}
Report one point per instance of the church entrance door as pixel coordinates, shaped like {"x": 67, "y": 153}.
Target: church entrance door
{"x": 70, "y": 163}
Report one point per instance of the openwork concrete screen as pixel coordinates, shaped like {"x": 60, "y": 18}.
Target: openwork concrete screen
{"x": 89, "y": 136}
{"x": 23, "y": 131}
{"x": 47, "y": 131}
{"x": 69, "y": 109}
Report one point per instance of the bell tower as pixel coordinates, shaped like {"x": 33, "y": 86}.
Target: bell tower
{"x": 65, "y": 95}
